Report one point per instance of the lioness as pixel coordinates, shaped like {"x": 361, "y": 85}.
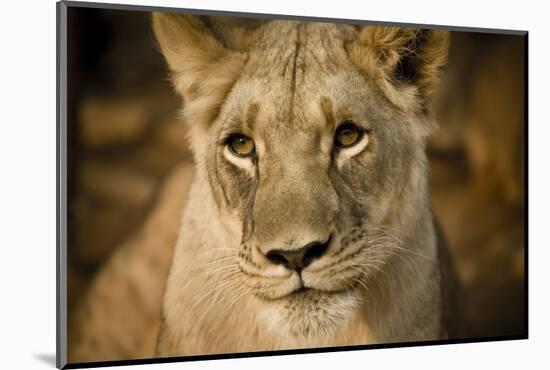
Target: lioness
{"x": 308, "y": 223}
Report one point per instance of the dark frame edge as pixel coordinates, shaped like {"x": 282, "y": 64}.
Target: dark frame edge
{"x": 526, "y": 184}
{"x": 291, "y": 17}
{"x": 61, "y": 193}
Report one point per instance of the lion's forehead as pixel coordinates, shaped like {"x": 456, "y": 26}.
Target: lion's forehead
{"x": 291, "y": 109}
{"x": 294, "y": 55}
{"x": 288, "y": 75}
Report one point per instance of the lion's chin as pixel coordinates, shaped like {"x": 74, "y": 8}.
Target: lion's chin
{"x": 309, "y": 313}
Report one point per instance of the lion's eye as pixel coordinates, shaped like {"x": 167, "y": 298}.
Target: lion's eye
{"x": 241, "y": 145}
{"x": 347, "y": 134}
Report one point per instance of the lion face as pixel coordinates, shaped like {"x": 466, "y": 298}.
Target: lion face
{"x": 306, "y": 158}
{"x": 312, "y": 160}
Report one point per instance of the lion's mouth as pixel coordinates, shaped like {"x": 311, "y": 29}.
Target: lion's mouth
{"x": 307, "y": 295}
{"x": 299, "y": 294}
{"x": 301, "y": 291}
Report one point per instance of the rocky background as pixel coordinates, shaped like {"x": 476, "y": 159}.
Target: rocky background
{"x": 124, "y": 138}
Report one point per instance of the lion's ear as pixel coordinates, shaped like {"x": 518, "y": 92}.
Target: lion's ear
{"x": 203, "y": 69}
{"x": 404, "y": 62}
{"x": 185, "y": 41}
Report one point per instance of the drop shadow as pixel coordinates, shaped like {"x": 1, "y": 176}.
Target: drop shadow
{"x": 48, "y": 358}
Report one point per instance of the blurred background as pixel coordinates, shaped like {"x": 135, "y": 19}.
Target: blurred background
{"x": 125, "y": 141}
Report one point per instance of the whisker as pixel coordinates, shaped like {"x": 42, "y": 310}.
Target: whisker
{"x": 201, "y": 274}
{"x": 393, "y": 230}
{"x": 220, "y": 259}
{"x": 391, "y": 245}
{"x": 364, "y": 286}
{"x": 225, "y": 249}
{"x": 233, "y": 294}
{"x": 388, "y": 233}
{"x": 375, "y": 267}
{"x": 376, "y": 238}
{"x": 217, "y": 288}
{"x": 384, "y": 252}
{"x": 226, "y": 273}
{"x": 239, "y": 297}
{"x": 355, "y": 291}
{"x": 229, "y": 274}
{"x": 215, "y": 303}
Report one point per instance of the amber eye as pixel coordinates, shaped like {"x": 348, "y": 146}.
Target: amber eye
{"x": 347, "y": 134}
{"x": 240, "y": 145}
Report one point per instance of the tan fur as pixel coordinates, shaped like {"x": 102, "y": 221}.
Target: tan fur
{"x": 380, "y": 278}
{"x": 379, "y": 50}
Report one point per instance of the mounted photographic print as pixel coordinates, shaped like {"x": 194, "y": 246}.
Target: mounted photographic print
{"x": 235, "y": 184}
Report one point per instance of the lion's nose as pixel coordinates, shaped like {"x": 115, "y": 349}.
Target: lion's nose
{"x": 297, "y": 259}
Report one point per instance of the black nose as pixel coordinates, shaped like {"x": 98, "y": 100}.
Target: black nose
{"x": 297, "y": 259}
